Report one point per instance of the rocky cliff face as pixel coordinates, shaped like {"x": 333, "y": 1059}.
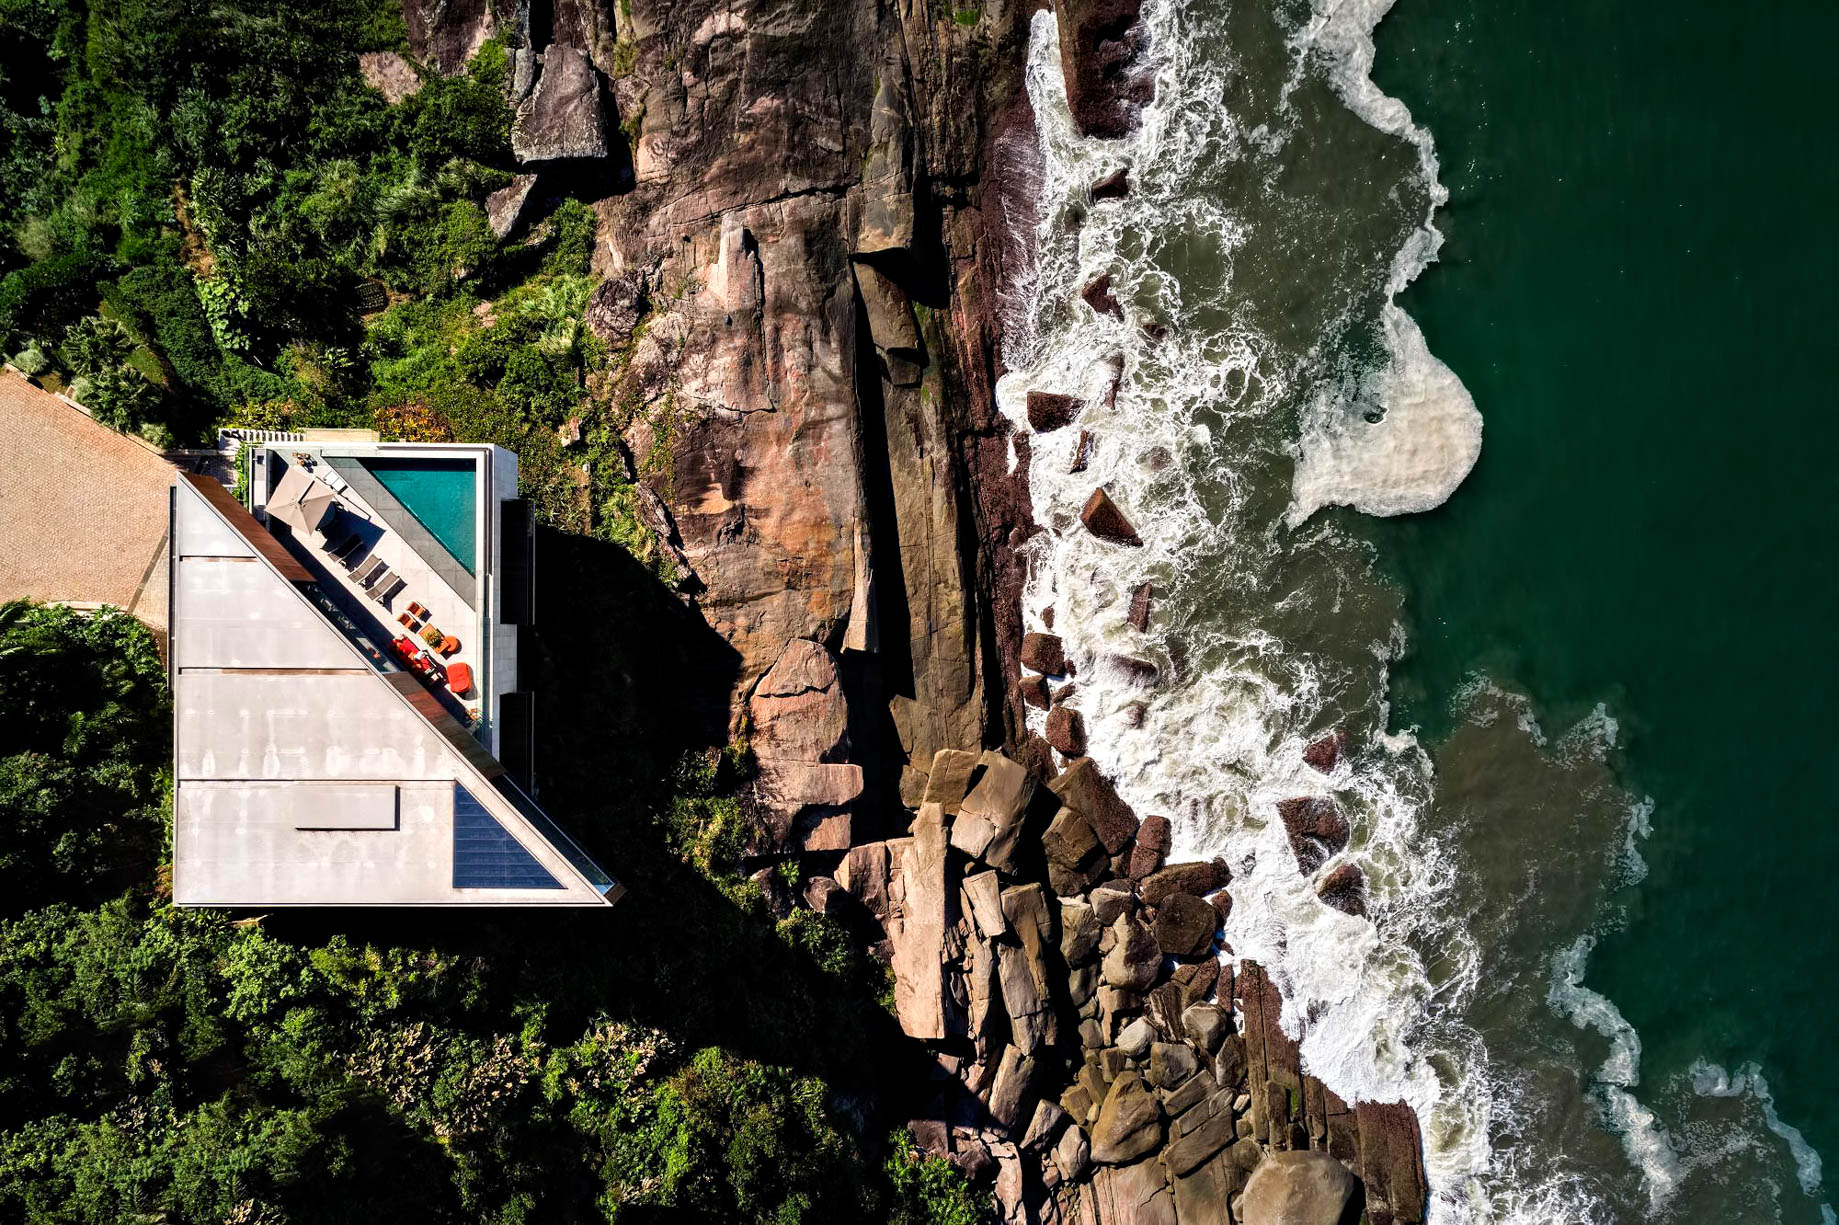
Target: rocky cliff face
{"x": 816, "y": 222}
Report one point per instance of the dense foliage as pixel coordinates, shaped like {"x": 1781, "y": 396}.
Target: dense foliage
{"x": 187, "y": 1066}
{"x": 267, "y": 241}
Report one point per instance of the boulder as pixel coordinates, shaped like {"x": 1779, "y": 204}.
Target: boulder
{"x": 1025, "y": 998}
{"x": 564, "y": 118}
{"x": 1110, "y": 901}
{"x": 950, "y": 778}
{"x": 1105, "y": 521}
{"x": 1196, "y": 980}
{"x": 1185, "y": 925}
{"x": 1135, "y": 960}
{"x": 1107, "y": 82}
{"x": 990, "y": 818}
{"x": 1229, "y": 1060}
{"x": 1046, "y": 1124}
{"x": 1051, "y": 410}
{"x": 1069, "y": 840}
{"x": 1114, "y": 186}
{"x": 1171, "y": 1064}
{"x": 824, "y": 895}
{"x": 1206, "y": 1025}
{"x": 773, "y": 888}
{"x": 1081, "y": 787}
{"x": 917, "y": 919}
{"x": 1139, "y": 607}
{"x": 1009, "y": 1091}
{"x": 1307, "y": 1188}
{"x": 1191, "y": 1093}
{"x": 1066, "y": 730}
{"x": 616, "y": 308}
{"x": 864, "y": 873}
{"x": 1129, "y": 1123}
{"x": 1201, "y": 1143}
{"x": 983, "y": 900}
{"x": 1194, "y": 878}
{"x": 1099, "y": 297}
{"x": 1082, "y": 988}
{"x": 1152, "y": 844}
{"x": 1136, "y": 1038}
{"x": 1324, "y": 752}
{"x": 1202, "y": 1195}
{"x": 1082, "y": 451}
{"x": 1072, "y": 1154}
{"x": 1044, "y": 653}
{"x": 1132, "y": 671}
{"x": 1033, "y": 691}
{"x": 1079, "y": 932}
{"x": 1344, "y": 889}
{"x": 1316, "y": 828}
{"x": 504, "y": 207}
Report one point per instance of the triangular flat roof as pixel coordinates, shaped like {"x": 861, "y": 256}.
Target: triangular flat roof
{"x": 306, "y": 775}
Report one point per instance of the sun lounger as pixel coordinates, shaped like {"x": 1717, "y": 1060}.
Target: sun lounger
{"x": 372, "y": 572}
{"x": 387, "y": 587}
{"x": 346, "y": 547}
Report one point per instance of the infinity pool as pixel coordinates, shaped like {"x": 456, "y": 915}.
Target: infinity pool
{"x": 441, "y": 494}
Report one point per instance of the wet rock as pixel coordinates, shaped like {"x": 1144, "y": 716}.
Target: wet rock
{"x": 1344, "y": 889}
{"x": 1104, "y": 520}
{"x": 1195, "y": 878}
{"x": 1132, "y": 670}
{"x": 1221, "y": 902}
{"x": 1185, "y": 925}
{"x": 1135, "y": 960}
{"x": 1114, "y": 186}
{"x": 1052, "y": 410}
{"x": 1392, "y": 1158}
{"x": 1107, "y": 83}
{"x": 1139, "y": 607}
{"x": 1152, "y": 844}
{"x": 1082, "y": 788}
{"x": 1033, "y": 691}
{"x": 1082, "y": 451}
{"x": 1129, "y": 1123}
{"x": 564, "y": 117}
{"x": 1044, "y": 653}
{"x": 1298, "y": 1189}
{"x": 1099, "y": 297}
{"x": 1325, "y": 751}
{"x": 1206, "y": 1026}
{"x": 1316, "y": 828}
{"x": 1066, "y": 730}
{"x": 950, "y": 779}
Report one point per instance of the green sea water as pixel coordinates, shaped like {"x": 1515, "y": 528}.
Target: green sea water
{"x": 1638, "y": 288}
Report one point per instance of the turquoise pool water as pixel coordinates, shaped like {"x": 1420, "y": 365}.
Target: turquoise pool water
{"x": 440, "y": 493}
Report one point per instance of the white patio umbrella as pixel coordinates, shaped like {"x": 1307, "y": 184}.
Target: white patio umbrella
{"x": 300, "y": 501}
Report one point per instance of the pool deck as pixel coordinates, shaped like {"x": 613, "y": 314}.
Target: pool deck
{"x": 424, "y": 582}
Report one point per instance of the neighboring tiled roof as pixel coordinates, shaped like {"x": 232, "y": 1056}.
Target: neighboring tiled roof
{"x": 83, "y": 509}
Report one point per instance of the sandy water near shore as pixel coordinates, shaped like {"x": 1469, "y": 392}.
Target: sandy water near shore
{"x": 1279, "y": 203}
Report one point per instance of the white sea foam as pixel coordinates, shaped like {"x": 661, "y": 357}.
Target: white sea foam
{"x": 1414, "y": 451}
{"x": 1643, "y": 1138}
{"x": 1711, "y": 1080}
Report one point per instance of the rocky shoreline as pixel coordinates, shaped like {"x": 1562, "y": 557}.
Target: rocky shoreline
{"x": 816, "y": 230}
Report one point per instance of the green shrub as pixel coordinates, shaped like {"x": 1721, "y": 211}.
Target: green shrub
{"x": 93, "y": 344}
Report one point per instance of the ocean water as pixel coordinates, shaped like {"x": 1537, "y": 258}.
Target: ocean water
{"x": 1578, "y": 956}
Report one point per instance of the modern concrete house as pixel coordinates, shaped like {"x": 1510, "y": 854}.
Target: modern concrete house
{"x": 348, "y": 725}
